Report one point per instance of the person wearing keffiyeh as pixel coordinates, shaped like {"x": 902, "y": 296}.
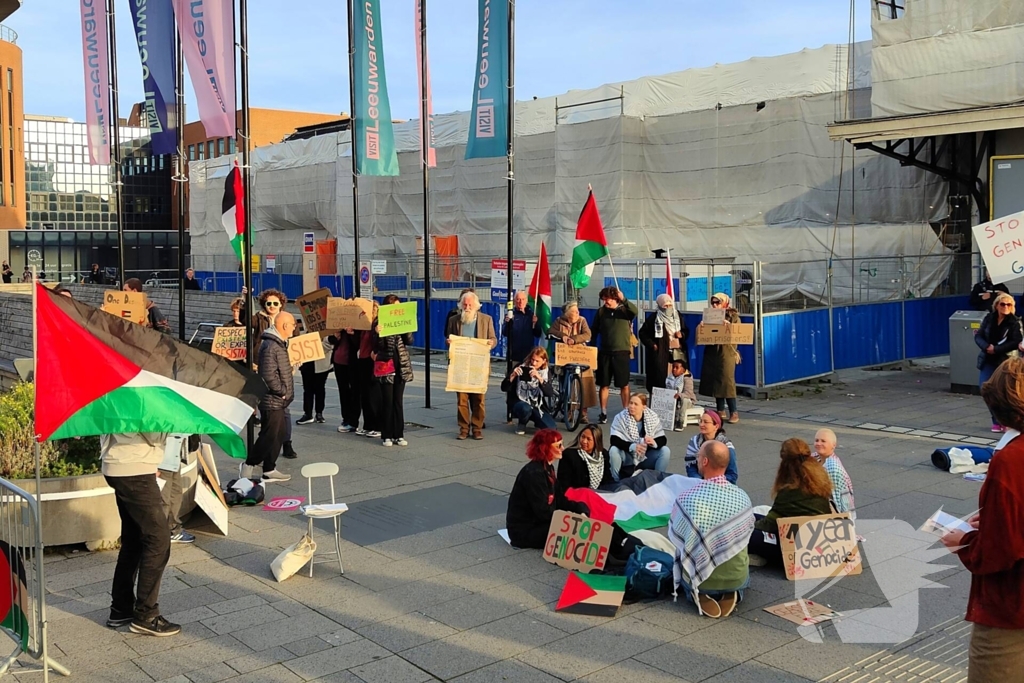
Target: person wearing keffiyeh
{"x": 638, "y": 440}
{"x": 842, "y": 485}
{"x": 710, "y": 527}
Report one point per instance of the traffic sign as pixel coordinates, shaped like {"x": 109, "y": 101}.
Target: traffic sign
{"x": 308, "y": 243}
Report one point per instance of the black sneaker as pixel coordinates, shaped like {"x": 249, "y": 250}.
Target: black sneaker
{"x": 158, "y": 627}
{"x": 288, "y": 451}
{"x": 602, "y": 418}
{"x": 117, "y": 619}
{"x": 320, "y": 418}
{"x": 305, "y": 420}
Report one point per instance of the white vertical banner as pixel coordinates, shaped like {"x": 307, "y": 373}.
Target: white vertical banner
{"x": 420, "y": 67}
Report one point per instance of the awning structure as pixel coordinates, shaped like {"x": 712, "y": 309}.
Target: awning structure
{"x": 977, "y": 120}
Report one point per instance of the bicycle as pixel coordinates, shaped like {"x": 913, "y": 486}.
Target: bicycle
{"x": 566, "y": 400}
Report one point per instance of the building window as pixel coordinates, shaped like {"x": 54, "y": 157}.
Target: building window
{"x": 231, "y": 145}
{"x": 191, "y": 152}
{"x": 220, "y": 147}
{"x": 209, "y": 149}
{"x": 202, "y": 150}
{"x": 37, "y": 201}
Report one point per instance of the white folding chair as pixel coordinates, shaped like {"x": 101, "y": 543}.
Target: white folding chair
{"x": 333, "y": 510}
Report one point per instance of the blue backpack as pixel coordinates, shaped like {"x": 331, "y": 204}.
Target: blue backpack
{"x": 648, "y": 574}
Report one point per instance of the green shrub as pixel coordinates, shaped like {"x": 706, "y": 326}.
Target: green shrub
{"x": 63, "y": 458}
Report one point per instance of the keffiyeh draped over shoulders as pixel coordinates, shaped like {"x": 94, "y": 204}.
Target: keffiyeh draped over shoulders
{"x": 842, "y": 485}
{"x": 627, "y": 429}
{"x": 711, "y": 524}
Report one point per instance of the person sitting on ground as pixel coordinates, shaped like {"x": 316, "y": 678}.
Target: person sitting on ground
{"x": 801, "y": 489}
{"x": 528, "y": 385}
{"x": 157, "y": 320}
{"x": 191, "y": 282}
{"x": 585, "y": 464}
{"x": 710, "y": 429}
{"x": 842, "y": 485}
{"x": 710, "y": 527}
{"x": 681, "y": 382}
{"x": 532, "y": 501}
{"x": 276, "y": 370}
{"x": 638, "y": 440}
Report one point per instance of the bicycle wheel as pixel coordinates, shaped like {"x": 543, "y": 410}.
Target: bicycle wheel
{"x": 554, "y": 402}
{"x": 574, "y": 402}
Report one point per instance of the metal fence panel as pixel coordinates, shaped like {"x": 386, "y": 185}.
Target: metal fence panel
{"x": 867, "y": 334}
{"x": 797, "y": 345}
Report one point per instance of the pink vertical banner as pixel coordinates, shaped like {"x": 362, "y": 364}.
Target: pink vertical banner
{"x": 420, "y": 66}
{"x": 206, "y": 28}
{"x": 97, "y": 79}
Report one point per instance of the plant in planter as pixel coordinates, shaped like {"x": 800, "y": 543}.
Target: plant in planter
{"x": 63, "y": 458}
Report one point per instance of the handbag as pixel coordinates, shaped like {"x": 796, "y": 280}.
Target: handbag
{"x": 383, "y": 368}
{"x": 293, "y": 558}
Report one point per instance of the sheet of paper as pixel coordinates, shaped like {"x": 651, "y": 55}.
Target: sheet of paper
{"x": 504, "y": 535}
{"x": 469, "y": 366}
{"x": 941, "y": 523}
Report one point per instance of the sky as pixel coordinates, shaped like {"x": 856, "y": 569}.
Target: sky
{"x": 299, "y": 59}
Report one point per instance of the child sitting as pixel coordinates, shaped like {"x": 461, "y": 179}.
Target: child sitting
{"x": 681, "y": 382}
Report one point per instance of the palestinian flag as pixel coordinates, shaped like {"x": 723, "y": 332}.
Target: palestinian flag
{"x": 650, "y": 509}
{"x": 591, "y": 244}
{"x": 99, "y": 374}
{"x": 14, "y": 612}
{"x": 598, "y": 595}
{"x": 668, "y": 275}
{"x": 540, "y": 291}
{"x": 233, "y": 210}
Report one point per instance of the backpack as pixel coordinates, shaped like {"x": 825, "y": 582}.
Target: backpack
{"x": 648, "y": 574}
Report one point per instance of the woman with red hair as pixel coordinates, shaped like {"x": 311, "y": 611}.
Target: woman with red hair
{"x": 532, "y": 501}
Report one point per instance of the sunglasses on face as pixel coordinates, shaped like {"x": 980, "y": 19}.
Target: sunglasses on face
{"x": 715, "y": 302}
{"x": 272, "y": 304}
{"x": 1005, "y": 303}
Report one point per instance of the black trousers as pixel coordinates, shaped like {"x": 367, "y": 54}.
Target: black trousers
{"x": 145, "y": 546}
{"x": 273, "y": 432}
{"x": 367, "y": 388}
{"x": 314, "y": 389}
{"x": 763, "y": 546}
{"x": 392, "y": 423}
{"x": 345, "y": 375}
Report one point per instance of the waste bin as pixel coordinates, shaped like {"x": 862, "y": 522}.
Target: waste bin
{"x": 963, "y": 352}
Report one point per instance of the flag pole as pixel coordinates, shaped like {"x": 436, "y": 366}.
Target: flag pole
{"x": 352, "y": 145}
{"x": 181, "y": 176}
{"x": 243, "y": 136}
{"x": 116, "y": 122}
{"x": 425, "y": 151}
{"x": 511, "y": 147}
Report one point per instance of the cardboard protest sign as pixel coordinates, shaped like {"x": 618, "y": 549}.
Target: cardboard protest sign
{"x": 397, "y": 319}
{"x": 469, "y": 365}
{"x": 229, "y": 342}
{"x": 577, "y": 542}
{"x": 313, "y": 308}
{"x": 128, "y": 305}
{"x": 803, "y": 612}
{"x": 819, "y": 547}
{"x": 209, "y": 503}
{"x": 598, "y": 595}
{"x": 663, "y": 403}
{"x": 713, "y": 316}
{"x": 349, "y": 313}
{"x": 580, "y": 354}
{"x": 1001, "y": 243}
{"x": 305, "y": 348}
{"x": 735, "y": 333}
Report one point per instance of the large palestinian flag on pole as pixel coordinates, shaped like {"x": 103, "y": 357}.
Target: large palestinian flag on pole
{"x": 539, "y": 297}
{"x": 99, "y": 374}
{"x": 233, "y": 210}
{"x": 591, "y": 244}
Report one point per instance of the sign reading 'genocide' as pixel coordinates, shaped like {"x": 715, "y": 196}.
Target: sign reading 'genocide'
{"x": 819, "y": 547}
{"x": 1001, "y": 243}
{"x": 577, "y": 542}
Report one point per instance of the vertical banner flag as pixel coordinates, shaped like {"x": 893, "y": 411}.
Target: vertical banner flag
{"x": 375, "y": 136}
{"x": 97, "y": 80}
{"x": 668, "y": 275}
{"x": 591, "y": 244}
{"x": 422, "y": 68}
{"x": 539, "y": 297}
{"x": 206, "y": 29}
{"x": 488, "y": 124}
{"x": 154, "y": 34}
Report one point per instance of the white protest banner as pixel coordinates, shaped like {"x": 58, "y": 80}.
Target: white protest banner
{"x": 663, "y": 403}
{"x": 1001, "y": 243}
{"x": 469, "y": 365}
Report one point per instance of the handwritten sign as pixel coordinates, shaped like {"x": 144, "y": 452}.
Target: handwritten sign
{"x": 580, "y": 354}
{"x": 229, "y": 342}
{"x": 736, "y": 333}
{"x": 819, "y": 547}
{"x": 469, "y": 365}
{"x": 577, "y": 542}
{"x": 1001, "y": 243}
{"x": 803, "y": 612}
{"x": 345, "y": 313}
{"x": 313, "y": 308}
{"x": 127, "y": 305}
{"x": 663, "y": 403}
{"x": 305, "y": 348}
{"x": 397, "y": 319}
{"x": 714, "y": 316}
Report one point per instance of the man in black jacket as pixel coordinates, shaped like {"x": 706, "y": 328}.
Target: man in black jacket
{"x": 276, "y": 370}
{"x": 983, "y": 293}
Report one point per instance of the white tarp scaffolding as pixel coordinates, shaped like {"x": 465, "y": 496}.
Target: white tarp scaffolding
{"x": 754, "y": 178}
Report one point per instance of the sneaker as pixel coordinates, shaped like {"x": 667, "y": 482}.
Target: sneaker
{"x": 117, "y": 620}
{"x": 734, "y": 418}
{"x": 478, "y": 436}
{"x": 401, "y": 442}
{"x": 183, "y": 537}
{"x": 727, "y": 603}
{"x": 709, "y": 607}
{"x": 372, "y": 435}
{"x": 997, "y": 428}
{"x": 602, "y": 419}
{"x": 462, "y": 436}
{"x": 320, "y": 418}
{"x": 305, "y": 420}
{"x": 276, "y": 475}
{"x": 360, "y": 431}
{"x": 246, "y": 471}
{"x": 159, "y": 627}
{"x": 756, "y": 561}
{"x": 520, "y": 431}
{"x": 387, "y": 443}
{"x": 679, "y": 429}
{"x": 345, "y": 429}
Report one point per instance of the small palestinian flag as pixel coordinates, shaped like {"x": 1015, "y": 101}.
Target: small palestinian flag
{"x": 14, "y": 612}
{"x": 540, "y": 291}
{"x": 233, "y": 209}
{"x": 99, "y": 374}
{"x": 591, "y": 244}
{"x": 598, "y": 595}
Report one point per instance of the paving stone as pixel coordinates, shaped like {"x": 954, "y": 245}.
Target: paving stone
{"x": 898, "y": 430}
{"x": 405, "y": 632}
{"x": 474, "y": 610}
{"x": 190, "y": 615}
{"x": 755, "y": 672}
{"x": 945, "y": 436}
{"x": 238, "y": 604}
{"x": 871, "y": 425}
{"x": 190, "y": 657}
{"x": 274, "y": 674}
{"x": 508, "y": 671}
{"x": 122, "y": 672}
{"x": 285, "y": 630}
{"x": 335, "y": 659}
{"x": 391, "y": 670}
{"x": 921, "y": 432}
{"x": 308, "y": 646}
{"x": 244, "y": 619}
{"x": 815, "y": 660}
{"x": 212, "y": 674}
{"x": 260, "y": 659}
{"x": 632, "y": 670}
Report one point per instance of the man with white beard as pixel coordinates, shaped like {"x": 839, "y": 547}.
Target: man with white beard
{"x": 471, "y": 323}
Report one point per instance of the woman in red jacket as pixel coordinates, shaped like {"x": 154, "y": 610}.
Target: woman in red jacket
{"x": 994, "y": 551}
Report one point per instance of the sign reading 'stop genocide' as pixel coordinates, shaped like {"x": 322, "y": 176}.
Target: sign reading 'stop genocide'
{"x": 1001, "y": 243}
{"x": 577, "y": 542}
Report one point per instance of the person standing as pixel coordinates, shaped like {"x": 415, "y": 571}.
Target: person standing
{"x": 314, "y": 387}
{"x": 96, "y": 276}
{"x": 8, "y": 274}
{"x": 472, "y": 323}
{"x": 613, "y": 324}
{"x": 344, "y": 346}
{"x": 718, "y": 369}
{"x": 129, "y": 466}
{"x": 191, "y": 282}
{"x": 999, "y": 335}
{"x": 276, "y": 371}
{"x": 993, "y": 551}
{"x": 369, "y": 389}
{"x": 27, "y": 275}
{"x": 393, "y": 370}
{"x": 680, "y": 382}
{"x": 983, "y": 292}
{"x": 663, "y": 334}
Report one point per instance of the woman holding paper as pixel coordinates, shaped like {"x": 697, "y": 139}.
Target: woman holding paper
{"x": 393, "y": 369}
{"x": 718, "y": 370}
{"x": 663, "y": 334}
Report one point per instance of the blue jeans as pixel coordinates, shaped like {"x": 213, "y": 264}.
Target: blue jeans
{"x": 524, "y": 412}
{"x": 657, "y": 460}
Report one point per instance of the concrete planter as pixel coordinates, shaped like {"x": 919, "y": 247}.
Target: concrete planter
{"x": 83, "y": 510}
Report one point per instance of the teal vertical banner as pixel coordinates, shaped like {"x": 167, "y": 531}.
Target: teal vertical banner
{"x": 375, "y": 136}
{"x": 488, "y": 125}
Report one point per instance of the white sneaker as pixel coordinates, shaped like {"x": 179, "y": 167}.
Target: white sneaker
{"x": 246, "y": 471}
{"x": 387, "y": 443}
{"x": 372, "y": 435}
{"x": 401, "y": 442}
{"x": 360, "y": 431}
{"x": 345, "y": 429}
{"x": 276, "y": 475}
